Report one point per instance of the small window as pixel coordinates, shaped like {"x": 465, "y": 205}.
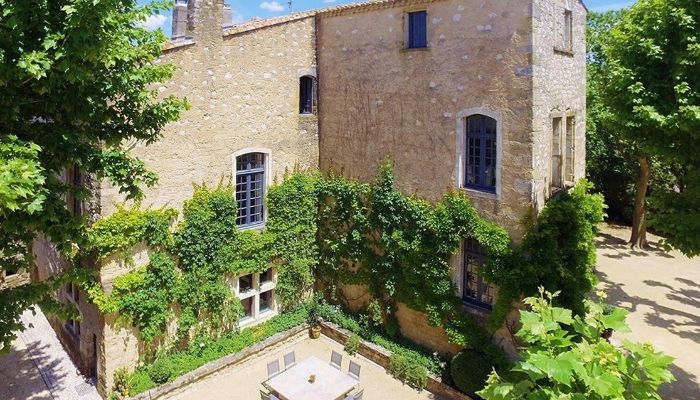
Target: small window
{"x": 417, "y": 30}
{"x": 475, "y": 290}
{"x": 245, "y": 283}
{"x": 266, "y": 276}
{"x": 72, "y": 292}
{"x": 250, "y": 189}
{"x": 257, "y": 294}
{"x": 557, "y": 160}
{"x": 247, "y": 308}
{"x": 481, "y": 157}
{"x": 568, "y": 33}
{"x": 569, "y": 149}
{"x": 266, "y": 301}
{"x": 73, "y": 326}
{"x": 307, "y": 95}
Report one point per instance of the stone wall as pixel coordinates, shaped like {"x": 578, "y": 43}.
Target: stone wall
{"x": 244, "y": 91}
{"x": 559, "y": 86}
{"x": 378, "y": 99}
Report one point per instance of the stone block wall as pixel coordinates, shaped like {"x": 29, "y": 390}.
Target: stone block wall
{"x": 378, "y": 99}
{"x": 559, "y": 86}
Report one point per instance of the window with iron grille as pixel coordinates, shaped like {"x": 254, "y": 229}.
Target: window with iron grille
{"x": 307, "y": 95}
{"x": 417, "y": 31}
{"x": 475, "y": 290}
{"x": 250, "y": 189}
{"x": 481, "y": 153}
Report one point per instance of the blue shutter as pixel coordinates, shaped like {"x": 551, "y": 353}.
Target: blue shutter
{"x": 417, "y": 29}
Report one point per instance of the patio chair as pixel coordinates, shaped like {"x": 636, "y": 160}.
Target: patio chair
{"x": 273, "y": 368}
{"x": 289, "y": 360}
{"x": 354, "y": 370}
{"x": 336, "y": 359}
{"x": 358, "y": 395}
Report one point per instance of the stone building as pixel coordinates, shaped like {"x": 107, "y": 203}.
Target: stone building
{"x": 482, "y": 96}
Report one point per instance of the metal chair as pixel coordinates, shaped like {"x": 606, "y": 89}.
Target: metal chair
{"x": 354, "y": 370}
{"x": 273, "y": 368}
{"x": 336, "y": 359}
{"x": 289, "y": 360}
{"x": 358, "y": 395}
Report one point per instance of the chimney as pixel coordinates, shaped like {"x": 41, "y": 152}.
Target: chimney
{"x": 228, "y": 15}
{"x": 204, "y": 20}
{"x": 179, "y": 20}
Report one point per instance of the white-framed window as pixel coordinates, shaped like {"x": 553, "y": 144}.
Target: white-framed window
{"x": 257, "y": 294}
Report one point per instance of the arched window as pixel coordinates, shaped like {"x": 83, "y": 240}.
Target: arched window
{"x": 250, "y": 189}
{"x": 481, "y": 153}
{"x": 307, "y": 95}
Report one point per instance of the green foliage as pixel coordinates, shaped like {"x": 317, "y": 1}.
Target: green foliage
{"x": 407, "y": 371}
{"x": 652, "y": 96}
{"x": 77, "y": 85}
{"x": 469, "y": 369}
{"x": 204, "y": 349}
{"x": 566, "y": 357}
{"x": 373, "y": 234}
{"x": 352, "y": 344}
{"x": 558, "y": 252}
{"x": 121, "y": 386}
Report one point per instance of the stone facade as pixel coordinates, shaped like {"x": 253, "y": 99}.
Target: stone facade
{"x": 506, "y": 59}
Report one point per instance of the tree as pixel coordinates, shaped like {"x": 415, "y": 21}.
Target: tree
{"x": 568, "y": 358}
{"x": 76, "y": 87}
{"x": 653, "y": 95}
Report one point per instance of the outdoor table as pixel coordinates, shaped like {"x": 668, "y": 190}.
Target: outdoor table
{"x": 329, "y": 383}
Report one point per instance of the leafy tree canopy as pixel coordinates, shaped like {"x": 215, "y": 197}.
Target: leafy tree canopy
{"x": 653, "y": 95}
{"x": 76, "y": 89}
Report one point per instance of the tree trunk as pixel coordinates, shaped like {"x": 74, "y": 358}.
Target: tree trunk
{"x": 639, "y": 221}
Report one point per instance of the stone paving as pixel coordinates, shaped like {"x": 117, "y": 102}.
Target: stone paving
{"x": 38, "y": 367}
{"x": 662, "y": 292}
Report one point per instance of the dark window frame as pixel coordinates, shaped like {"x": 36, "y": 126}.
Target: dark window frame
{"x": 481, "y": 147}
{"x": 307, "y": 95}
{"x": 417, "y": 29}
{"x": 473, "y": 258}
{"x": 250, "y": 170}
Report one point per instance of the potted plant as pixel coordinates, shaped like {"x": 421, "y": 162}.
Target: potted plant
{"x": 314, "y": 319}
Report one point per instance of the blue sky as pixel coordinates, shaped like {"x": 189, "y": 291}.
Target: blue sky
{"x": 247, "y": 9}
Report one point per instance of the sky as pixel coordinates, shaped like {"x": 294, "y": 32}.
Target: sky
{"x": 247, "y": 9}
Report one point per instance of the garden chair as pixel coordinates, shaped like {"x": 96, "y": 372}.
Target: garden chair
{"x": 354, "y": 370}
{"x": 336, "y": 359}
{"x": 358, "y": 395}
{"x": 289, "y": 360}
{"x": 273, "y": 368}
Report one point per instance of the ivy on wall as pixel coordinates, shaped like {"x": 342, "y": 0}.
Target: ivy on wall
{"x": 333, "y": 231}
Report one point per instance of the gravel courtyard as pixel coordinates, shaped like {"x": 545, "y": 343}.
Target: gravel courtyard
{"x": 662, "y": 292}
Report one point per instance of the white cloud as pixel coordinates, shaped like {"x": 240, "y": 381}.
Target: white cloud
{"x": 614, "y": 6}
{"x": 273, "y": 6}
{"x": 153, "y": 22}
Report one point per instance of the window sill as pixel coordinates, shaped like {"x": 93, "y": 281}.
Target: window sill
{"x": 257, "y": 227}
{"x": 563, "y": 51}
{"x": 308, "y": 115}
{"x": 412, "y": 49}
{"x": 480, "y": 313}
{"x": 480, "y": 193}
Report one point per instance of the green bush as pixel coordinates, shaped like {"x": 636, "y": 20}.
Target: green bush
{"x": 352, "y": 344}
{"x": 408, "y": 372}
{"x": 469, "y": 370}
{"x": 161, "y": 371}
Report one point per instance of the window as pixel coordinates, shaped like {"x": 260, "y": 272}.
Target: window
{"x": 72, "y": 292}
{"x": 568, "y": 33}
{"x": 556, "y": 153}
{"x": 569, "y": 149}
{"x": 481, "y": 154}
{"x": 250, "y": 189}
{"x": 475, "y": 290}
{"x": 417, "y": 36}
{"x": 257, "y": 294}
{"x": 307, "y": 95}
{"x": 73, "y": 327}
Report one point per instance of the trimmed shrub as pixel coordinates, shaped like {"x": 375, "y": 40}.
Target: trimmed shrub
{"x": 469, "y": 369}
{"x": 352, "y": 344}
{"x": 161, "y": 370}
{"x": 410, "y": 373}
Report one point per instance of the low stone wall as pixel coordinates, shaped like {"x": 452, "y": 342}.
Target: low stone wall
{"x": 206, "y": 370}
{"x": 381, "y": 356}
